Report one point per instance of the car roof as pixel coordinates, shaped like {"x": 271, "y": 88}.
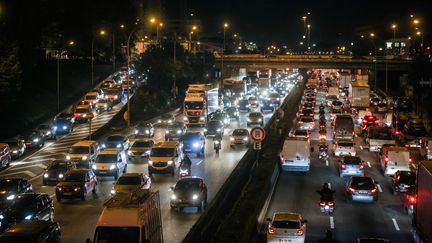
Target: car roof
{"x": 83, "y": 143}
{"x": 111, "y": 151}
{"x": 83, "y": 107}
{"x": 28, "y": 227}
{"x": 166, "y": 144}
{"x": 190, "y": 178}
{"x": 81, "y": 171}
{"x": 280, "y": 216}
{"x": 396, "y": 148}
{"x": 132, "y": 175}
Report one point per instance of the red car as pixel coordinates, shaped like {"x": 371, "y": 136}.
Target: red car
{"x": 369, "y": 121}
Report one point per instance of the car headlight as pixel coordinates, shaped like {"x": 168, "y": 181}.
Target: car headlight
{"x": 28, "y": 217}
{"x": 45, "y": 175}
{"x": 15, "y": 151}
{"x": 94, "y": 167}
{"x": 245, "y": 138}
{"x": 103, "y": 145}
{"x": 166, "y": 132}
{"x": 195, "y": 197}
{"x": 261, "y": 105}
{"x": 118, "y": 145}
{"x": 60, "y": 176}
{"x": 226, "y": 120}
{"x": 55, "y": 128}
{"x": 271, "y": 105}
{"x": 170, "y": 162}
{"x": 159, "y": 121}
{"x": 113, "y": 191}
{"x": 205, "y": 129}
{"x": 48, "y": 133}
{"x": 232, "y": 139}
{"x": 10, "y": 197}
{"x": 195, "y": 145}
{"x": 36, "y": 140}
{"x": 68, "y": 157}
{"x": 259, "y": 120}
{"x": 248, "y": 119}
{"x": 218, "y": 130}
{"x": 115, "y": 96}
{"x": 77, "y": 189}
{"x": 64, "y": 127}
{"x": 169, "y": 121}
{"x": 112, "y": 167}
{"x": 1, "y": 216}
{"x": 147, "y": 131}
{"x": 179, "y": 131}
{"x": 150, "y": 162}
{"x": 84, "y": 158}
{"x": 105, "y": 106}
{"x": 136, "y": 131}
{"x": 84, "y": 115}
{"x": 173, "y": 197}
{"x": 202, "y": 118}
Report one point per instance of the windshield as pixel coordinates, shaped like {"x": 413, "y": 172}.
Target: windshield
{"x": 240, "y": 132}
{"x": 352, "y": 160}
{"x": 345, "y": 144}
{"x": 362, "y": 183}
{"x": 300, "y": 133}
{"x": 255, "y": 114}
{"x": 138, "y": 144}
{"x": 214, "y": 124}
{"x": 75, "y": 177}
{"x": 185, "y": 185}
{"x": 90, "y": 97}
{"x": 8, "y": 185}
{"x": 129, "y": 180}
{"x": 44, "y": 127}
{"x": 58, "y": 164}
{"x": 193, "y": 105}
{"x": 103, "y": 101}
{"x": 23, "y": 201}
{"x": 79, "y": 150}
{"x": 243, "y": 102}
{"x": 285, "y": 224}
{"x": 106, "y": 158}
{"x": 117, "y": 235}
{"x": 191, "y": 136}
{"x": 166, "y": 116}
{"x": 337, "y": 103}
{"x": 162, "y": 152}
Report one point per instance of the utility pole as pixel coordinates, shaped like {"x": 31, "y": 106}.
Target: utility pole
{"x": 113, "y": 51}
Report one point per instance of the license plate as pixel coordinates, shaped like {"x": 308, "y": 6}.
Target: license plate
{"x": 363, "y": 192}
{"x": 67, "y": 193}
{"x": 188, "y": 150}
{"x": 351, "y": 171}
{"x": 102, "y": 172}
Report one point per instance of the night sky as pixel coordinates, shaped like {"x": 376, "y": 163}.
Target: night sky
{"x": 279, "y": 21}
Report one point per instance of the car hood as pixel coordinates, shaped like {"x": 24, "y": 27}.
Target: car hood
{"x": 139, "y": 149}
{"x": 126, "y": 188}
{"x": 56, "y": 171}
{"x": 161, "y": 159}
{"x": 68, "y": 184}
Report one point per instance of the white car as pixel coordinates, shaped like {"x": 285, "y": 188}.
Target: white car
{"x": 129, "y": 182}
{"x": 240, "y": 136}
{"x": 361, "y": 114}
{"x": 306, "y": 123}
{"x": 344, "y": 147}
{"x": 286, "y": 227}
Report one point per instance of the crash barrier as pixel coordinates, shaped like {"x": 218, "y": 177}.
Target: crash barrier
{"x": 214, "y": 225}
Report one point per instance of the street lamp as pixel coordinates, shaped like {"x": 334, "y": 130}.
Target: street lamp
{"x": 308, "y": 36}
{"x": 394, "y": 26}
{"x": 193, "y": 30}
{"x": 304, "y": 18}
{"x": 419, "y": 33}
{"x": 128, "y": 78}
{"x": 416, "y": 21}
{"x": 59, "y": 54}
{"x": 101, "y": 33}
{"x": 225, "y": 27}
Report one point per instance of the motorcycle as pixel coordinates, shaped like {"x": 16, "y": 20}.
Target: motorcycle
{"x": 409, "y": 201}
{"x": 327, "y": 203}
{"x": 323, "y": 153}
{"x": 217, "y": 146}
{"x": 185, "y": 168}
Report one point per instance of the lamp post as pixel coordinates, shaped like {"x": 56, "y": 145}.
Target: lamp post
{"x": 194, "y": 29}
{"x": 225, "y": 26}
{"x": 101, "y": 33}
{"x": 128, "y": 78}
{"x": 372, "y": 35}
{"x": 308, "y": 36}
{"x": 394, "y": 26}
{"x": 304, "y": 18}
{"x": 419, "y": 33}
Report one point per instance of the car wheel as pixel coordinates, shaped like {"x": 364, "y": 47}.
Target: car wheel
{"x": 116, "y": 175}
{"x": 83, "y": 196}
{"x": 125, "y": 169}
{"x": 58, "y": 197}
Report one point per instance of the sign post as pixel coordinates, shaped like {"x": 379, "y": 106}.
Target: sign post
{"x": 257, "y": 134}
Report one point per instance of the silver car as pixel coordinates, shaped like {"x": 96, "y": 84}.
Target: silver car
{"x": 306, "y": 123}
{"x": 255, "y": 118}
{"x": 140, "y": 149}
{"x": 344, "y": 147}
{"x": 351, "y": 166}
{"x": 240, "y": 136}
{"x": 131, "y": 181}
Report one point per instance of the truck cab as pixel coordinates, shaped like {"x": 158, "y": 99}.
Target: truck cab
{"x": 395, "y": 158}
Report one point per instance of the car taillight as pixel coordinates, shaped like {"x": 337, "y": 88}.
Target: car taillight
{"x": 271, "y": 231}
{"x": 300, "y": 232}
{"x": 386, "y": 159}
{"x": 373, "y": 190}
{"x": 407, "y": 145}
{"x": 412, "y": 199}
{"x": 330, "y": 203}
{"x": 322, "y": 203}
{"x": 397, "y": 132}
{"x": 410, "y": 160}
{"x": 376, "y": 121}
{"x": 351, "y": 189}
{"x": 361, "y": 166}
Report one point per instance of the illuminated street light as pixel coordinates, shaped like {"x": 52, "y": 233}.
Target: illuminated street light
{"x": 71, "y": 43}
{"x": 416, "y": 21}
{"x": 225, "y": 26}
{"x": 362, "y": 36}
{"x": 394, "y": 26}
{"x": 152, "y": 20}
{"x": 102, "y": 32}
{"x": 122, "y": 26}
{"x": 372, "y": 34}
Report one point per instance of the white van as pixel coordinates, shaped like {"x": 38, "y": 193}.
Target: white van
{"x": 295, "y": 154}
{"x": 426, "y": 148}
{"x": 394, "y": 158}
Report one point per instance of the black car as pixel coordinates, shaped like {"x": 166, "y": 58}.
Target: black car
{"x": 403, "y": 181}
{"x": 26, "y": 206}
{"x": 193, "y": 142}
{"x": 220, "y": 116}
{"x": 47, "y": 131}
{"x": 34, "y": 231}
{"x": 10, "y": 187}
{"x": 166, "y": 119}
{"x": 306, "y": 112}
{"x": 56, "y": 170}
{"x": 62, "y": 126}
{"x": 116, "y": 141}
{"x": 33, "y": 139}
{"x": 214, "y": 128}
{"x": 76, "y": 184}
{"x": 67, "y": 116}
{"x": 17, "y": 147}
{"x": 189, "y": 192}
{"x": 175, "y": 131}
{"x": 243, "y": 105}
{"x": 232, "y": 112}
{"x": 145, "y": 130}
{"x": 267, "y": 105}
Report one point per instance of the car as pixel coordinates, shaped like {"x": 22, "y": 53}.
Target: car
{"x": 83, "y": 113}
{"x": 232, "y": 112}
{"x": 306, "y": 112}
{"x": 412, "y": 132}
{"x": 337, "y": 105}
{"x": 116, "y": 141}
{"x": 83, "y": 153}
{"x": 220, "y": 116}
{"x": 62, "y": 126}
{"x": 382, "y": 107}
{"x": 309, "y": 95}
{"x": 351, "y": 165}
{"x": 361, "y": 114}
{"x": 214, "y": 128}
{"x": 67, "y": 116}
{"x": 193, "y": 142}
{"x": 33, "y": 139}
{"x": 91, "y": 97}
{"x": 309, "y": 100}
{"x": 17, "y": 147}
{"x": 301, "y": 133}
{"x": 374, "y": 101}
{"x": 5, "y": 155}
{"x": 56, "y": 170}
{"x": 243, "y": 105}
{"x": 255, "y": 118}
{"x": 330, "y": 99}
{"x": 226, "y": 102}
{"x": 10, "y": 187}
{"x": 76, "y": 184}
{"x": 275, "y": 98}
{"x": 286, "y": 227}
{"x": 26, "y": 207}
{"x": 369, "y": 121}
{"x": 361, "y": 189}
{"x": 145, "y": 130}
{"x": 110, "y": 162}
{"x": 47, "y": 131}
{"x": 307, "y": 106}
{"x": 103, "y": 105}
{"x": 403, "y": 181}
{"x": 166, "y": 119}
{"x": 31, "y": 232}
{"x": 140, "y": 148}
{"x": 240, "y": 136}
{"x": 129, "y": 182}
{"x": 164, "y": 157}
{"x": 306, "y": 122}
{"x": 267, "y": 105}
{"x": 253, "y": 101}
{"x": 344, "y": 147}
{"x": 189, "y": 192}
{"x": 113, "y": 94}
{"x": 175, "y": 130}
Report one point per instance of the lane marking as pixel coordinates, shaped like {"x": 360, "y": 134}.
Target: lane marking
{"x": 27, "y": 166}
{"x": 327, "y": 162}
{"x": 52, "y": 196}
{"x": 369, "y": 164}
{"x": 379, "y": 188}
{"x": 361, "y": 147}
{"x": 27, "y": 172}
{"x": 35, "y": 178}
{"x": 331, "y": 222}
{"x": 199, "y": 162}
{"x": 395, "y": 224}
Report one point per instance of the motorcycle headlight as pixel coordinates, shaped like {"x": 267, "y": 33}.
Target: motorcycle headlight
{"x": 216, "y": 142}
{"x": 105, "y": 106}
{"x": 170, "y": 162}
{"x": 84, "y": 158}
{"x": 36, "y": 140}
{"x": 10, "y": 197}
{"x": 15, "y": 151}
{"x": 115, "y": 96}
{"x": 60, "y": 176}
{"x": 48, "y": 133}
{"x": 46, "y": 175}
{"x": 248, "y": 119}
{"x": 129, "y": 152}
{"x": 173, "y": 197}
{"x": 185, "y": 118}
{"x": 28, "y": 217}
{"x": 84, "y": 115}
{"x": 103, "y": 145}
{"x": 232, "y": 139}
{"x": 195, "y": 197}
{"x": 112, "y": 167}
{"x": 68, "y": 157}
{"x": 259, "y": 120}
{"x": 1, "y": 216}
{"x": 183, "y": 171}
{"x": 94, "y": 167}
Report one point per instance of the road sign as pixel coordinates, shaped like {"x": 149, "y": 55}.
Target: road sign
{"x": 258, "y": 134}
{"x": 126, "y": 116}
{"x": 90, "y": 115}
{"x": 257, "y": 145}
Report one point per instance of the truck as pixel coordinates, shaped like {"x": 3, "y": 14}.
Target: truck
{"x": 421, "y": 227}
{"x": 344, "y": 80}
{"x": 362, "y": 77}
{"x": 378, "y": 136}
{"x": 359, "y": 94}
{"x": 130, "y": 217}
{"x": 263, "y": 84}
{"x": 312, "y": 83}
{"x": 200, "y": 100}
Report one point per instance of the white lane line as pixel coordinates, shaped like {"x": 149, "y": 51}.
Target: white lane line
{"x": 369, "y": 164}
{"x": 199, "y": 162}
{"x": 361, "y": 147}
{"x": 35, "y": 178}
{"x": 27, "y": 172}
{"x": 331, "y": 222}
{"x": 395, "y": 224}
{"x": 379, "y": 188}
{"x": 327, "y": 162}
{"x": 28, "y": 166}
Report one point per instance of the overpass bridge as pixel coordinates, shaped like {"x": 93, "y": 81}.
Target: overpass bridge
{"x": 257, "y": 61}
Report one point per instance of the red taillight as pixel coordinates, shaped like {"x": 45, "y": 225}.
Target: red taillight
{"x": 322, "y": 203}
{"x": 361, "y": 166}
{"x": 407, "y": 145}
{"x": 412, "y": 199}
{"x": 373, "y": 190}
{"x": 410, "y": 160}
{"x": 334, "y": 132}
{"x": 351, "y": 189}
{"x": 386, "y": 159}
{"x": 397, "y": 132}
{"x": 377, "y": 121}
{"x": 330, "y": 203}
{"x": 271, "y": 231}
{"x": 300, "y": 232}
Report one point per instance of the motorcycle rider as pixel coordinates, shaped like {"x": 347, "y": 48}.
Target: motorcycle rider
{"x": 217, "y": 143}
{"x": 326, "y": 193}
{"x": 185, "y": 165}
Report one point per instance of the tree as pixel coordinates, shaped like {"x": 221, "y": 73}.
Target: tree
{"x": 10, "y": 68}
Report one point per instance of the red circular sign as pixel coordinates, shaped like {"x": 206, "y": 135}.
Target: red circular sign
{"x": 258, "y": 134}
